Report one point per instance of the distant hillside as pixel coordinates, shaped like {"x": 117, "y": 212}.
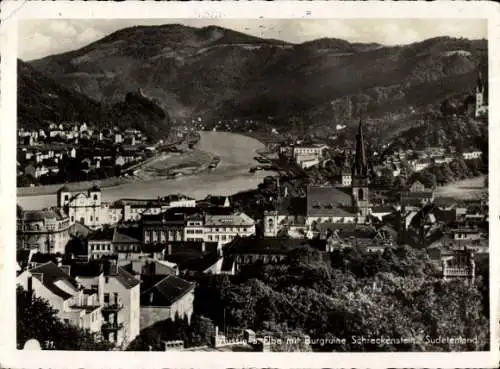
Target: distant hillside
{"x": 218, "y": 73}
{"x": 41, "y": 101}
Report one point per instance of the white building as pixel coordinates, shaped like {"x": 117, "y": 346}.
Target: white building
{"x": 472, "y": 154}
{"x": 121, "y": 310}
{"x": 84, "y": 207}
{"x": 47, "y": 231}
{"x": 74, "y": 304}
{"x": 181, "y": 226}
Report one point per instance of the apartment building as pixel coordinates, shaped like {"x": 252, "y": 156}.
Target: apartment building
{"x": 74, "y": 304}
{"x": 47, "y": 231}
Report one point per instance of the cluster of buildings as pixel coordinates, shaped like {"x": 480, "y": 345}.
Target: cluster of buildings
{"x": 41, "y": 151}
{"x": 419, "y": 160}
{"x": 306, "y": 156}
{"x": 136, "y": 258}
{"x": 114, "y": 301}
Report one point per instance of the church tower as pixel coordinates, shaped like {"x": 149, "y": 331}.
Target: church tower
{"x": 346, "y": 173}
{"x": 480, "y": 96}
{"x": 360, "y": 194}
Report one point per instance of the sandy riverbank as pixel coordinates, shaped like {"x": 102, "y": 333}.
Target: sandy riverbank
{"x": 237, "y": 154}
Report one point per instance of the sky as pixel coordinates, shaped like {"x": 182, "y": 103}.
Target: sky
{"x": 39, "y": 38}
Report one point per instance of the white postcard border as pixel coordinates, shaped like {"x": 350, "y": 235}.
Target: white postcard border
{"x": 13, "y": 11}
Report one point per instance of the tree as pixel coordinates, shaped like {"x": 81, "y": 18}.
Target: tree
{"x": 36, "y": 319}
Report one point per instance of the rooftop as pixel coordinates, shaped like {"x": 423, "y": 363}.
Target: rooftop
{"x": 42, "y": 215}
{"x": 49, "y": 273}
{"x": 236, "y": 219}
{"x": 258, "y": 245}
{"x": 163, "y": 292}
{"x": 328, "y": 201}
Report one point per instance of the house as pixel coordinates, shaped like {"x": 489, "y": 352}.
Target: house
{"x": 121, "y": 309}
{"x": 118, "y": 138}
{"x": 472, "y": 154}
{"x": 420, "y": 164}
{"x": 165, "y": 297}
{"x": 315, "y": 150}
{"x": 307, "y": 161}
{"x": 458, "y": 264}
{"x": 219, "y": 225}
{"x": 224, "y": 228}
{"x": 126, "y": 242}
{"x": 73, "y": 303}
{"x": 46, "y": 230}
{"x": 251, "y": 250}
{"x": 100, "y": 243}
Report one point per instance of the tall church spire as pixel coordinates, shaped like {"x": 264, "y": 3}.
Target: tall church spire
{"x": 480, "y": 82}
{"x": 360, "y": 168}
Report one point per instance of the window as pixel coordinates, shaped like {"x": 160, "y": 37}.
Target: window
{"x": 66, "y": 197}
{"x": 96, "y": 219}
{"x": 91, "y": 247}
{"x": 95, "y": 197}
{"x": 210, "y": 237}
{"x": 106, "y": 296}
{"x": 72, "y": 218}
{"x": 360, "y": 194}
{"x": 91, "y": 218}
{"x": 106, "y": 280}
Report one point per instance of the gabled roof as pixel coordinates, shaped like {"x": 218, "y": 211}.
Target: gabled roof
{"x": 328, "y": 201}
{"x": 237, "y": 219}
{"x": 119, "y": 236}
{"x": 105, "y": 234}
{"x": 90, "y": 269}
{"x": 41, "y": 215}
{"x": 49, "y": 273}
{"x": 126, "y": 279}
{"x": 164, "y": 292}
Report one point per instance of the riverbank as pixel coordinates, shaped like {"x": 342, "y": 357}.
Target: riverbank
{"x": 143, "y": 174}
{"x": 236, "y": 153}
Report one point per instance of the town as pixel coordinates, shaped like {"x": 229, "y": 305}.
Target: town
{"x": 234, "y": 187}
{"x": 122, "y": 268}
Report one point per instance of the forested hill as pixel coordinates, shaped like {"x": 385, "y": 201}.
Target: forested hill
{"x": 41, "y": 101}
{"x": 217, "y": 73}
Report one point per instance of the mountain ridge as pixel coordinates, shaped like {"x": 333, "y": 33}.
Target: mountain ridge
{"x": 218, "y": 73}
{"x": 42, "y": 101}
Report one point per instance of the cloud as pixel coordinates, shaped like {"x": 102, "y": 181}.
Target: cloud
{"x": 39, "y": 38}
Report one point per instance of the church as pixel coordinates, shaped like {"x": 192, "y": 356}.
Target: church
{"x": 348, "y": 203}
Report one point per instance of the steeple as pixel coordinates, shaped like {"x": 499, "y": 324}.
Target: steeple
{"x": 480, "y": 82}
{"x": 346, "y": 159}
{"x": 360, "y": 168}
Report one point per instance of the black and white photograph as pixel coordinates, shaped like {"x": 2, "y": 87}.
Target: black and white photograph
{"x": 253, "y": 185}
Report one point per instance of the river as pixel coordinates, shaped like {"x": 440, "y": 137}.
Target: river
{"x": 232, "y": 175}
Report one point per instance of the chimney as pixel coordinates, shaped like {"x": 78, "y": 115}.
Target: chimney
{"x": 30, "y": 284}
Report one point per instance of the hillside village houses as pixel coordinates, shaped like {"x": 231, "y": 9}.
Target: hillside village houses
{"x": 339, "y": 204}
{"x": 135, "y": 259}
{"x": 41, "y": 151}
